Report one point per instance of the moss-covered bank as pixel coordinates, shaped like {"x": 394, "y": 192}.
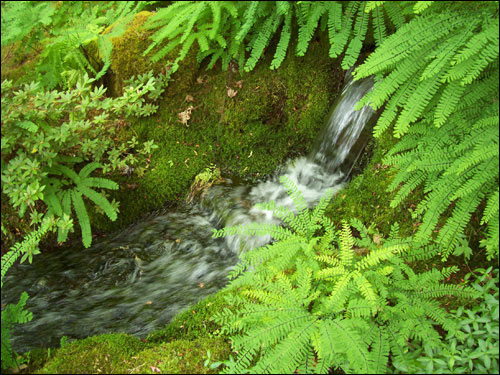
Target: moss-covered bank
{"x": 179, "y": 348}
{"x": 245, "y": 123}
{"x": 182, "y": 345}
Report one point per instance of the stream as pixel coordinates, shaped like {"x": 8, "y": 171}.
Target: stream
{"x": 137, "y": 279}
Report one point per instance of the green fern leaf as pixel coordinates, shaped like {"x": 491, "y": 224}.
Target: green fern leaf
{"x": 83, "y": 218}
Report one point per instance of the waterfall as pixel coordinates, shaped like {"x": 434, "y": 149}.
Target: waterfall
{"x": 136, "y": 280}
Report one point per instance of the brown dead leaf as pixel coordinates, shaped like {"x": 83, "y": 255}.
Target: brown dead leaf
{"x": 189, "y": 98}
{"x": 185, "y": 116}
{"x": 199, "y": 80}
{"x": 231, "y": 93}
{"x": 238, "y": 84}
{"x": 377, "y": 238}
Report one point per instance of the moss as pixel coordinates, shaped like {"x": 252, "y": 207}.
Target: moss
{"x": 127, "y": 57}
{"x": 274, "y": 115}
{"x": 18, "y": 63}
{"x": 366, "y": 196}
{"x": 180, "y": 357}
{"x": 180, "y": 347}
{"x": 108, "y": 353}
{"x": 194, "y": 322}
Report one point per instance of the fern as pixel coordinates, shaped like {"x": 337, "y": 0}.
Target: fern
{"x": 440, "y": 90}
{"x": 12, "y": 314}
{"x": 347, "y": 311}
{"x": 59, "y": 200}
{"x": 16, "y": 314}
{"x": 227, "y": 30}
{"x": 29, "y": 245}
{"x": 67, "y": 31}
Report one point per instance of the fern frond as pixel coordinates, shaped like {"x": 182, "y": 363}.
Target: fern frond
{"x": 83, "y": 218}
{"x": 100, "y": 200}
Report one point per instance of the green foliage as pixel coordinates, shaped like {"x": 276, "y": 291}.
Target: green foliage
{"x": 438, "y": 78}
{"x": 185, "y": 22}
{"x": 225, "y": 30}
{"x": 22, "y": 18}
{"x": 12, "y": 314}
{"x": 71, "y": 34}
{"x": 476, "y": 351}
{"x": 28, "y": 247}
{"x": 49, "y": 135}
{"x": 319, "y": 294}
{"x": 16, "y": 314}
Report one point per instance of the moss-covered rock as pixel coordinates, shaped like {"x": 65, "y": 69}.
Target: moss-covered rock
{"x": 194, "y": 322}
{"x": 103, "y": 354}
{"x": 247, "y": 124}
{"x": 366, "y": 197}
{"x": 127, "y": 58}
{"x": 180, "y": 357}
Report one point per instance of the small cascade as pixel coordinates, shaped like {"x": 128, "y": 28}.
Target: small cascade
{"x": 136, "y": 280}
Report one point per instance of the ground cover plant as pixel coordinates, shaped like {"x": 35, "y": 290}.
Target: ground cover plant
{"x": 68, "y": 153}
{"x": 320, "y": 301}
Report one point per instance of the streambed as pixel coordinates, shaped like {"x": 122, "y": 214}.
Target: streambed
{"x": 137, "y": 279}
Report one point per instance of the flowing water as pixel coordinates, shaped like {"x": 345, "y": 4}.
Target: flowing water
{"x": 137, "y": 279}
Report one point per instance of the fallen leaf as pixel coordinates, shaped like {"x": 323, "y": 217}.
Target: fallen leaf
{"x": 238, "y": 84}
{"x": 189, "y": 98}
{"x": 199, "y": 80}
{"x": 377, "y": 238}
{"x": 231, "y": 93}
{"x": 185, "y": 116}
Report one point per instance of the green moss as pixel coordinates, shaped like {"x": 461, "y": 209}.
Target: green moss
{"x": 180, "y": 347}
{"x": 366, "y": 196}
{"x": 18, "y": 63}
{"x": 194, "y": 322}
{"x": 274, "y": 115}
{"x": 180, "y": 357}
{"x": 127, "y": 59}
{"x": 108, "y": 353}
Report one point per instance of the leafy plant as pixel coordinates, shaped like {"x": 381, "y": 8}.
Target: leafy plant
{"x": 59, "y": 200}
{"x": 476, "y": 350}
{"x": 438, "y": 79}
{"x": 16, "y": 314}
{"x": 225, "y": 30}
{"x": 12, "y": 314}
{"x": 317, "y": 298}
{"x": 53, "y": 140}
{"x": 74, "y": 37}
{"x": 22, "y": 18}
